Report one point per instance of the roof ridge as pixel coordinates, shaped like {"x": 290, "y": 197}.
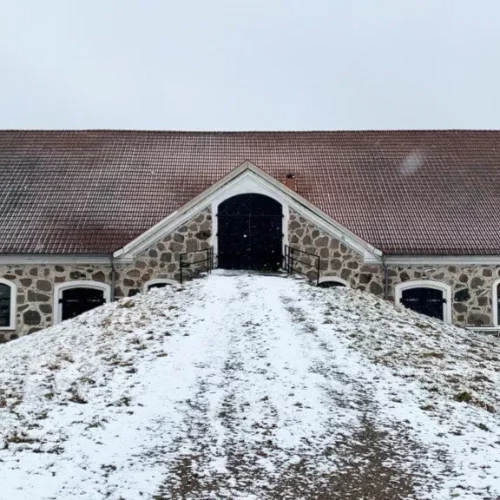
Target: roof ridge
{"x": 310, "y": 131}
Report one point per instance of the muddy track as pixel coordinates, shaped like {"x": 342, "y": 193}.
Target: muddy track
{"x": 362, "y": 457}
{"x": 249, "y": 393}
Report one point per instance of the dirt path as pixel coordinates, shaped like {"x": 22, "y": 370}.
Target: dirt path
{"x": 276, "y": 414}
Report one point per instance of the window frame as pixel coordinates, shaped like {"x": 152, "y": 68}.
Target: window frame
{"x": 61, "y": 287}
{"x": 157, "y": 281}
{"x": 494, "y": 302}
{"x": 13, "y": 305}
{"x": 436, "y": 285}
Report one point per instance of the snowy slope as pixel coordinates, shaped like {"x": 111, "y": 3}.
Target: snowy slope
{"x": 250, "y": 387}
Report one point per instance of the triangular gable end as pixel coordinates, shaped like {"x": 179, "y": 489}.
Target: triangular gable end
{"x": 247, "y": 178}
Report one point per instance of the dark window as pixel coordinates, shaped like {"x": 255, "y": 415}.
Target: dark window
{"x": 428, "y": 301}
{"x": 331, "y": 284}
{"x": 498, "y": 304}
{"x": 5, "y": 304}
{"x": 250, "y": 233}
{"x": 75, "y": 301}
{"x": 158, "y": 285}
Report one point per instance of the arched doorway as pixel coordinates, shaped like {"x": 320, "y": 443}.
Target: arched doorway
{"x": 159, "y": 283}
{"x": 250, "y": 233}
{"x": 76, "y": 297}
{"x": 333, "y": 283}
{"x": 426, "y": 297}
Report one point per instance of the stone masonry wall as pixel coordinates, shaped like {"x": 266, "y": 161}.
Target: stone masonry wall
{"x": 35, "y": 283}
{"x": 35, "y": 291}
{"x": 471, "y": 300}
{"x": 471, "y": 289}
{"x": 471, "y": 285}
{"x": 161, "y": 260}
{"x": 337, "y": 259}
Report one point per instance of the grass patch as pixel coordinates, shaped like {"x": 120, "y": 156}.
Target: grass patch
{"x": 123, "y": 401}
{"x": 76, "y": 398}
{"x": 435, "y": 355}
{"x": 463, "y": 397}
{"x": 20, "y": 438}
{"x": 483, "y": 427}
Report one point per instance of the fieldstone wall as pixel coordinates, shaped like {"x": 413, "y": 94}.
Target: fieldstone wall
{"x": 337, "y": 259}
{"x": 471, "y": 285}
{"x": 471, "y": 289}
{"x": 35, "y": 283}
{"x": 35, "y": 292}
{"x": 161, "y": 260}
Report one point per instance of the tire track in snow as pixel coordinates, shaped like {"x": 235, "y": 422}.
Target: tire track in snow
{"x": 373, "y": 458}
{"x": 267, "y": 406}
{"x": 198, "y": 450}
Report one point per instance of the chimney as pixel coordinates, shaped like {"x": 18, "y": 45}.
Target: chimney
{"x": 290, "y": 182}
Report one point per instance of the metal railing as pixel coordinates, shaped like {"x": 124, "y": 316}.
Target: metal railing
{"x": 294, "y": 256}
{"x": 186, "y": 269}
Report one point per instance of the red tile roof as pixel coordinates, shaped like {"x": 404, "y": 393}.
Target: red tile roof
{"x": 405, "y": 192}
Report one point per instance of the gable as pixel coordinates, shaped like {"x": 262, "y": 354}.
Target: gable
{"x": 247, "y": 178}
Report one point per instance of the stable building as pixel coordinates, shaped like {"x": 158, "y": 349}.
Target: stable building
{"x": 87, "y": 217}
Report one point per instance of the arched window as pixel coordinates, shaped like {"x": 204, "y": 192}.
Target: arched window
{"x": 431, "y": 298}
{"x": 8, "y": 293}
{"x": 495, "y": 296}
{"x": 76, "y": 297}
{"x": 159, "y": 283}
{"x": 331, "y": 282}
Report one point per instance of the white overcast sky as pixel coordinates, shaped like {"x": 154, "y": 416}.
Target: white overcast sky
{"x": 249, "y": 65}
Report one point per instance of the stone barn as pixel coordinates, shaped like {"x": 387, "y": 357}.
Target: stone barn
{"x": 87, "y": 217}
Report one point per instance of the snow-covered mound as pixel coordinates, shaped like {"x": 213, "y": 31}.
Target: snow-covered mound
{"x": 250, "y": 387}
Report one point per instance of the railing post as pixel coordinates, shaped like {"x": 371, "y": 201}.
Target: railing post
{"x": 180, "y": 267}
{"x": 319, "y": 266}
{"x": 291, "y": 260}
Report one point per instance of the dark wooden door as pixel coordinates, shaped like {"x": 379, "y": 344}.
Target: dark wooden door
{"x": 428, "y": 301}
{"x": 498, "y": 305}
{"x": 75, "y": 301}
{"x": 5, "y": 304}
{"x": 250, "y": 233}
